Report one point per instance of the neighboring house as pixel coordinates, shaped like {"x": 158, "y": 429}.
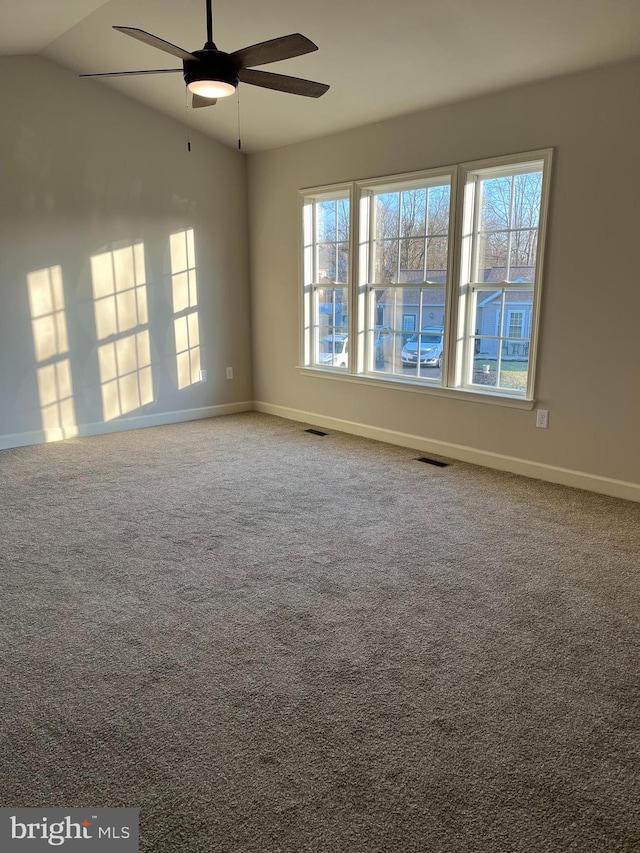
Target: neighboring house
{"x": 404, "y": 303}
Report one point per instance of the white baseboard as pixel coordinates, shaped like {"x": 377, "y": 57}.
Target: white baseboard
{"x": 525, "y": 467}
{"x": 138, "y": 422}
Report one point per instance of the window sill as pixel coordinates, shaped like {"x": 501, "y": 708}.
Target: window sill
{"x": 398, "y": 384}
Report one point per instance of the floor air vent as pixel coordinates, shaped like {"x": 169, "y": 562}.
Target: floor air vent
{"x": 316, "y": 432}
{"x": 435, "y": 462}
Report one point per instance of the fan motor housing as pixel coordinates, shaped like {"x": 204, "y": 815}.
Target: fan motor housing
{"x": 211, "y": 64}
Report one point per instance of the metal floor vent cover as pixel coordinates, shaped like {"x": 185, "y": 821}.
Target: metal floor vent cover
{"x": 435, "y": 462}
{"x": 316, "y": 432}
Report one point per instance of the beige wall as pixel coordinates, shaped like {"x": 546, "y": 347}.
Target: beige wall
{"x": 83, "y": 171}
{"x": 589, "y": 364}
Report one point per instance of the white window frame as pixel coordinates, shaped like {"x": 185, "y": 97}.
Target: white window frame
{"x": 367, "y": 285}
{"x": 309, "y": 200}
{"x": 459, "y": 331}
{"x": 467, "y": 253}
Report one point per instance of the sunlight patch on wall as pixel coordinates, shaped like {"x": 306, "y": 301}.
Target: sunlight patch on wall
{"x": 51, "y": 344}
{"x": 184, "y": 292}
{"x": 120, "y": 304}
{"x": 125, "y": 374}
{"x": 119, "y": 290}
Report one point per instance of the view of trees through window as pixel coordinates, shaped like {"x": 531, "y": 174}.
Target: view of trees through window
{"x": 413, "y": 320}
{"x": 407, "y": 278}
{"x": 326, "y": 226}
{"x": 411, "y": 229}
{"x": 505, "y": 241}
{"x": 509, "y": 212}
{"x": 332, "y": 225}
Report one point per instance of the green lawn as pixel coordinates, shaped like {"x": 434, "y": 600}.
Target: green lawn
{"x": 513, "y": 375}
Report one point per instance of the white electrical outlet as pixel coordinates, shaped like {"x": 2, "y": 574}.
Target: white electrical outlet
{"x": 203, "y": 376}
{"x": 229, "y": 372}
{"x": 542, "y": 418}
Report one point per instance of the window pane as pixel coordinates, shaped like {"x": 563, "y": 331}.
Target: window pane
{"x": 495, "y": 204}
{"x": 517, "y": 313}
{"x": 514, "y": 366}
{"x": 437, "y": 248}
{"x": 524, "y": 244}
{"x": 387, "y": 215}
{"x": 413, "y": 213}
{"x": 527, "y": 200}
{"x": 386, "y": 261}
{"x": 508, "y": 372}
{"x": 331, "y": 310}
{"x": 439, "y": 210}
{"x": 488, "y": 312}
{"x": 332, "y": 350}
{"x": 326, "y": 218}
{"x": 485, "y": 363}
{"x": 398, "y": 345}
{"x": 343, "y": 218}
{"x": 492, "y": 256}
{"x": 412, "y": 255}
{"x": 515, "y": 349}
{"x": 421, "y": 354}
{"x": 327, "y": 269}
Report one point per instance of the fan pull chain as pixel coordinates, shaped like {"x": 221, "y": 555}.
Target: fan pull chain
{"x": 239, "y": 139}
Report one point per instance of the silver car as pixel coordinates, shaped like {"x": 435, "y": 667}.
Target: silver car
{"x": 427, "y": 351}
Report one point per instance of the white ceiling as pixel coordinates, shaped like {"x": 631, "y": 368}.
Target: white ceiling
{"x": 382, "y": 58}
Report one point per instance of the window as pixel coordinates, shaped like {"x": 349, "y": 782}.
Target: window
{"x": 436, "y": 304}
{"x": 326, "y": 234}
{"x": 503, "y": 213}
{"x": 404, "y": 227}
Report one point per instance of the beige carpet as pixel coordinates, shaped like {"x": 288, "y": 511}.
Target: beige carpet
{"x": 274, "y": 641}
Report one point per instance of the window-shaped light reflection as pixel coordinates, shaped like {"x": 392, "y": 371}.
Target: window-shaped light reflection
{"x": 125, "y": 374}
{"x": 187, "y": 335}
{"x": 119, "y": 290}
{"x": 51, "y": 345}
{"x": 184, "y": 295}
{"x": 121, "y": 313}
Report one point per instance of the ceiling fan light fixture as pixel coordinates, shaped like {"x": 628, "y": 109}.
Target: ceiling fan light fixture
{"x": 211, "y": 88}
{"x": 210, "y": 74}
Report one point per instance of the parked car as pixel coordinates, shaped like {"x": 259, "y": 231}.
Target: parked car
{"x": 431, "y": 347}
{"x": 334, "y": 350}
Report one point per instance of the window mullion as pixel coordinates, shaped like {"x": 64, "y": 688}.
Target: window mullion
{"x": 315, "y": 330}
{"x": 511, "y": 227}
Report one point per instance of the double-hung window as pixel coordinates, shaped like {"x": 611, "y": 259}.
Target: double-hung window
{"x": 326, "y": 273}
{"x": 434, "y": 277}
{"x": 404, "y": 270}
{"x": 504, "y": 209}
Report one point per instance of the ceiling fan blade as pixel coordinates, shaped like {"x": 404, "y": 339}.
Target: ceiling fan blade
{"x": 154, "y": 41}
{"x": 132, "y": 73}
{"x": 198, "y": 101}
{"x": 283, "y": 83}
{"x": 273, "y": 50}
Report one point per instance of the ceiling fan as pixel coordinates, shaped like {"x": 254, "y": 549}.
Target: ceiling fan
{"x": 211, "y": 73}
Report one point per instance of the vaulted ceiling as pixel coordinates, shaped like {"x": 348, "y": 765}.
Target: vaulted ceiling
{"x": 381, "y": 59}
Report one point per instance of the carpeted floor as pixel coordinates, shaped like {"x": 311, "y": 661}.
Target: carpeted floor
{"x": 274, "y": 641}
